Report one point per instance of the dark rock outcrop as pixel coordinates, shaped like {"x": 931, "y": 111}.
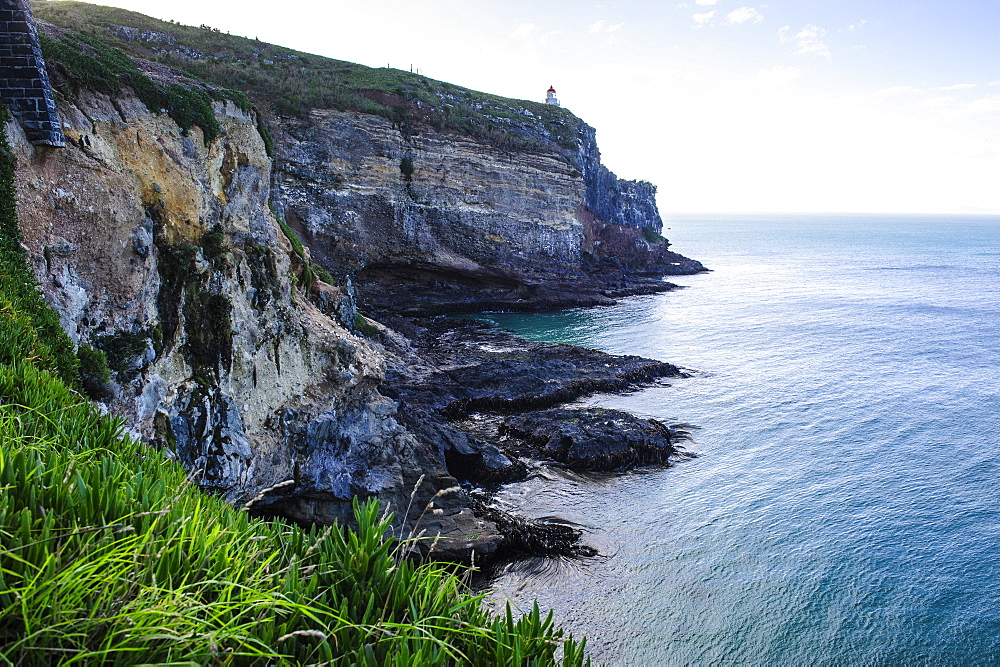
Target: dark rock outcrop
{"x": 530, "y": 538}
{"x": 611, "y": 199}
{"x": 461, "y": 378}
{"x": 595, "y": 439}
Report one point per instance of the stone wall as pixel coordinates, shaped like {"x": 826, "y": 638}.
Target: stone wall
{"x": 24, "y": 82}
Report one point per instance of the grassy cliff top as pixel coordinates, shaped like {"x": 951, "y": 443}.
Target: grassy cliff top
{"x": 283, "y": 81}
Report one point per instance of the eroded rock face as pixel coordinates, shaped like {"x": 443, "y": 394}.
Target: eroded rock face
{"x": 435, "y": 221}
{"x": 365, "y": 192}
{"x": 150, "y": 244}
{"x": 162, "y": 251}
{"x": 610, "y": 199}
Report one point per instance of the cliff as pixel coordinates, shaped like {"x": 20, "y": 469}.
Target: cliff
{"x": 158, "y": 238}
{"x": 432, "y": 196}
{"x": 431, "y": 220}
{"x": 107, "y": 543}
{"x": 162, "y": 252}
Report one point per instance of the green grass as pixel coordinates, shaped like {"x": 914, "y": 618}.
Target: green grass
{"x": 19, "y": 298}
{"x": 95, "y": 376}
{"x": 290, "y": 82}
{"x": 309, "y": 270}
{"x": 652, "y": 236}
{"x": 364, "y": 327}
{"x": 109, "y": 555}
{"x": 121, "y": 351}
{"x": 90, "y": 63}
{"x": 323, "y": 274}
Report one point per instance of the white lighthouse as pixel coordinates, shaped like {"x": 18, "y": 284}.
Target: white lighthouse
{"x": 550, "y": 97}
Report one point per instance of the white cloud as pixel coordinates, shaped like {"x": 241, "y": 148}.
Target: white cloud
{"x": 706, "y": 3}
{"x": 949, "y": 106}
{"x": 524, "y": 31}
{"x": 783, "y": 33}
{"x": 894, "y": 91}
{"x": 742, "y": 15}
{"x": 702, "y": 19}
{"x": 985, "y": 105}
{"x": 544, "y": 39}
{"x": 929, "y": 93}
{"x": 778, "y": 75}
{"x": 602, "y": 26}
{"x": 941, "y": 103}
{"x": 609, "y": 30}
{"x": 994, "y": 83}
{"x": 810, "y": 41}
{"x": 854, "y": 26}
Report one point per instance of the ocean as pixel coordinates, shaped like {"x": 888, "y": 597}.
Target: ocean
{"x": 845, "y": 506}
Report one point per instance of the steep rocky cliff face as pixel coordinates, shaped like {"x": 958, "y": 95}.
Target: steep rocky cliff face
{"x": 162, "y": 251}
{"x": 612, "y": 200}
{"x": 432, "y": 196}
{"x": 428, "y": 219}
{"x": 366, "y": 193}
{"x": 160, "y": 246}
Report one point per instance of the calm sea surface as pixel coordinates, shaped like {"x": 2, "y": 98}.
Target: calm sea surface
{"x": 845, "y": 508}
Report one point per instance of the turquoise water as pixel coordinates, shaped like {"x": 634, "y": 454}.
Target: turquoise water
{"x": 845, "y": 508}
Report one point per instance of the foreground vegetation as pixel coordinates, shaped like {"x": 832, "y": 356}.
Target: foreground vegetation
{"x": 108, "y": 555}
{"x": 290, "y": 82}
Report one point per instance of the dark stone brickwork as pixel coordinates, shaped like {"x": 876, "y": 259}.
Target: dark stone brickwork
{"x": 24, "y": 83}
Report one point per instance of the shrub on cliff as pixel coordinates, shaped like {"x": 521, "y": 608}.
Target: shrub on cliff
{"x": 88, "y": 62}
{"x": 652, "y": 236}
{"x": 108, "y": 554}
{"x": 406, "y": 167}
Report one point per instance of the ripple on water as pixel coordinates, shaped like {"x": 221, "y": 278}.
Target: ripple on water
{"x": 845, "y": 506}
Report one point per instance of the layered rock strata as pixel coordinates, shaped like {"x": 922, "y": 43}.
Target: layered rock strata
{"x": 431, "y": 221}
{"x": 161, "y": 250}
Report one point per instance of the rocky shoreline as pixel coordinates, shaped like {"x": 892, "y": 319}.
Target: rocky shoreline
{"x": 498, "y": 407}
{"x": 420, "y": 290}
{"x": 218, "y": 269}
{"x": 495, "y": 409}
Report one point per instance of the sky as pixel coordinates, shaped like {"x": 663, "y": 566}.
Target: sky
{"x": 878, "y": 106}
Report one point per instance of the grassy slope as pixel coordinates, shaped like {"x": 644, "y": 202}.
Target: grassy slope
{"x": 291, "y": 82}
{"x": 109, "y": 555}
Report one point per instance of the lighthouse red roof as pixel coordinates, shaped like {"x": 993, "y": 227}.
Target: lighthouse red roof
{"x": 551, "y": 89}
